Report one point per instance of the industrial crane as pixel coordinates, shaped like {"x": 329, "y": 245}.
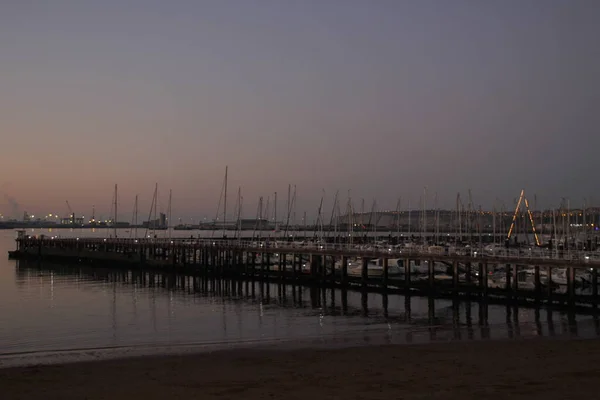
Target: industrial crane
{"x": 71, "y": 213}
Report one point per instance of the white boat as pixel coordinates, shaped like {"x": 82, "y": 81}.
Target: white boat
{"x": 375, "y": 267}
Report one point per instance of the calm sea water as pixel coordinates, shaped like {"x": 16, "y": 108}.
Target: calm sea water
{"x": 51, "y": 312}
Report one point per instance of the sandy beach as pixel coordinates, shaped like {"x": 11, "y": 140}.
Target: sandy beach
{"x": 522, "y": 369}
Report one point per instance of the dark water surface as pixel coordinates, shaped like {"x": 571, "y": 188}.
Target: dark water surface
{"x": 51, "y": 313}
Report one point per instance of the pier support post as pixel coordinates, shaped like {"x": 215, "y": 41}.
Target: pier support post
{"x": 549, "y": 283}
{"x": 484, "y": 278}
{"x": 595, "y": 286}
{"x": 173, "y": 255}
{"x": 455, "y": 275}
{"x": 571, "y": 283}
{"x": 516, "y": 280}
{"x": 537, "y": 282}
{"x": 407, "y": 274}
{"x": 431, "y": 275}
{"x": 385, "y": 274}
{"x": 282, "y": 266}
{"x": 481, "y": 276}
{"x": 332, "y": 272}
{"x": 508, "y": 285}
{"x": 468, "y": 274}
{"x": 266, "y": 269}
{"x": 365, "y": 272}
{"x": 344, "y": 271}
{"x": 315, "y": 267}
{"x": 142, "y": 254}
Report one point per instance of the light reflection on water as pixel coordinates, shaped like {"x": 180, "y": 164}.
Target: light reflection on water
{"x": 49, "y": 307}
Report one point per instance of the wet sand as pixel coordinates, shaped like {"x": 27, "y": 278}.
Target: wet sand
{"x": 520, "y": 369}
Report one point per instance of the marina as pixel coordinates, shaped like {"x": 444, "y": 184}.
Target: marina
{"x": 511, "y": 274}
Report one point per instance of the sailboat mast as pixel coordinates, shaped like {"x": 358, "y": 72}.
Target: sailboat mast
{"x": 319, "y": 223}
{"x": 267, "y": 215}
{"x": 424, "y": 216}
{"x": 398, "y": 205}
{"x": 304, "y": 219}
{"x": 458, "y": 221}
{"x": 584, "y": 222}
{"x": 115, "y": 220}
{"x": 225, "y": 203}
{"x": 136, "y": 215}
{"x": 362, "y": 213}
{"x": 240, "y": 211}
{"x": 170, "y": 210}
{"x": 275, "y": 212}
{"x": 409, "y": 218}
{"x": 262, "y": 213}
{"x": 289, "y": 210}
{"x": 350, "y": 214}
{"x": 535, "y": 210}
{"x": 568, "y": 224}
{"x": 437, "y": 218}
{"x": 258, "y": 223}
{"x": 331, "y": 219}
{"x": 149, "y": 218}
{"x": 374, "y": 214}
{"x": 238, "y": 224}
{"x": 155, "y": 206}
{"x": 479, "y": 229}
{"x": 494, "y": 222}
{"x": 294, "y": 213}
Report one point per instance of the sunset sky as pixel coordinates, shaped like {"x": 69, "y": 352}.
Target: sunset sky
{"x": 382, "y": 97}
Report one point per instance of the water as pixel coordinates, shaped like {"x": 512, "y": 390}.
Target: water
{"x": 50, "y": 313}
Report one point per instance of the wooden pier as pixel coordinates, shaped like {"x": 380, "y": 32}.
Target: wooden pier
{"x": 326, "y": 265}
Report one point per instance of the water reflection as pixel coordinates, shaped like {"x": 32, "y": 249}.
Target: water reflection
{"x": 61, "y": 307}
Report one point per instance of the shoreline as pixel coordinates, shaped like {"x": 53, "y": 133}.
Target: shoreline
{"x": 519, "y": 368}
{"x": 410, "y": 336}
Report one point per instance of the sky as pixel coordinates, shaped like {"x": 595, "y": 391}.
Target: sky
{"x": 379, "y": 97}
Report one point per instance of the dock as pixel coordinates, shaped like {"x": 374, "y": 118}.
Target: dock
{"x": 569, "y": 279}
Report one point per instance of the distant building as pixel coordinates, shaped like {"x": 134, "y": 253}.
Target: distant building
{"x": 72, "y": 220}
{"x": 159, "y": 223}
